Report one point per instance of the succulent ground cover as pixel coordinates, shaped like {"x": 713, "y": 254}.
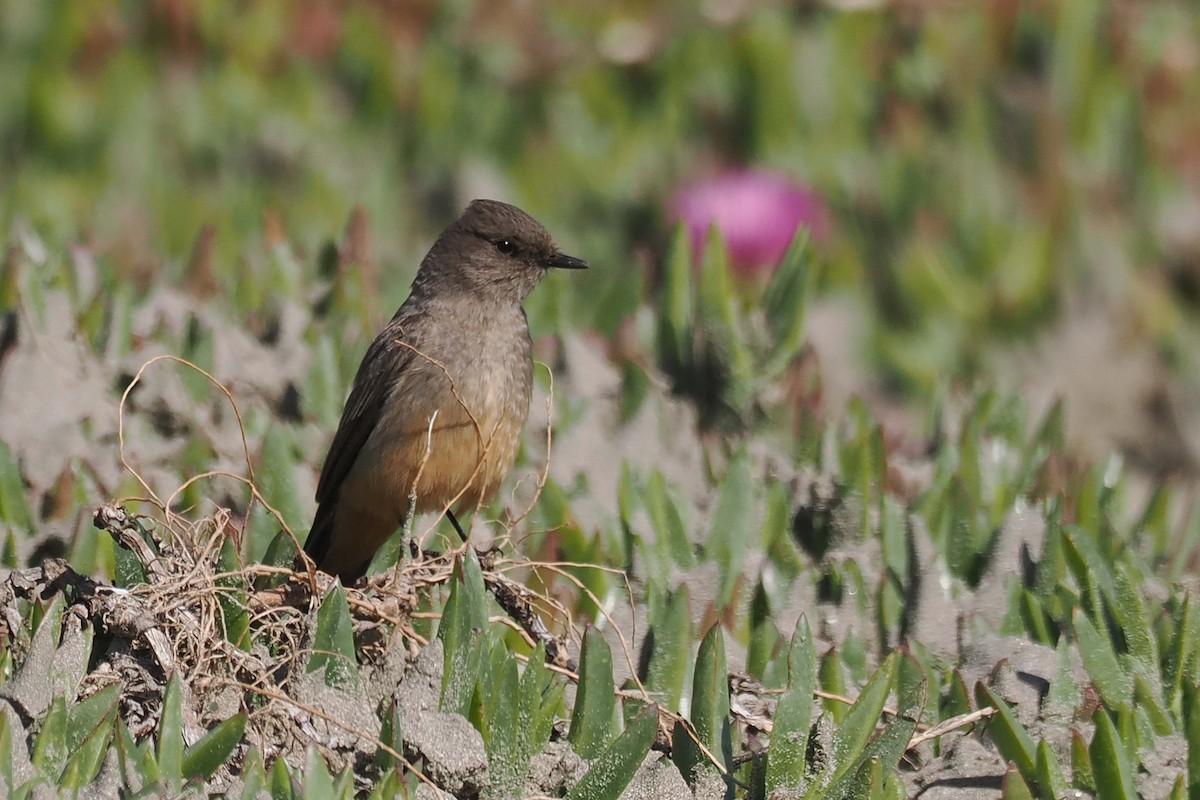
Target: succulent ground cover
{"x": 910, "y": 512}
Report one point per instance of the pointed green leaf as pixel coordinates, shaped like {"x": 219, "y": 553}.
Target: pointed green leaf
{"x": 786, "y": 756}
{"x": 281, "y": 784}
{"x": 616, "y": 765}
{"x": 7, "y": 778}
{"x": 14, "y": 503}
{"x": 832, "y": 677}
{"x": 733, "y": 526}
{"x": 1013, "y": 786}
{"x": 508, "y": 756}
{"x": 254, "y": 776}
{"x": 675, "y": 319}
{"x": 333, "y": 642}
{"x": 1082, "y": 774}
{"x": 851, "y": 737}
{"x": 592, "y": 718}
{"x": 391, "y": 734}
{"x": 281, "y": 553}
{"x": 1009, "y": 735}
{"x": 170, "y": 734}
{"x": 1114, "y": 773}
{"x": 207, "y": 755}
{"x": 89, "y": 731}
{"x": 537, "y": 706}
{"x": 669, "y": 642}
{"x": 50, "y": 752}
{"x": 1050, "y": 778}
{"x": 276, "y": 479}
{"x": 232, "y": 597}
{"x": 462, "y": 636}
{"x": 1114, "y": 685}
{"x": 318, "y": 783}
{"x": 785, "y": 302}
{"x": 709, "y": 710}
{"x": 668, "y": 523}
{"x": 137, "y": 763}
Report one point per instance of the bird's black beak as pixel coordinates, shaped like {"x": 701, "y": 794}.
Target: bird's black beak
{"x": 564, "y": 261}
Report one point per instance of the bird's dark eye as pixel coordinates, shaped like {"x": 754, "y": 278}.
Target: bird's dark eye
{"x": 506, "y": 247}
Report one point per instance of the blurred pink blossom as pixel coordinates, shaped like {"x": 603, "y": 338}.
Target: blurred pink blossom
{"x": 756, "y": 211}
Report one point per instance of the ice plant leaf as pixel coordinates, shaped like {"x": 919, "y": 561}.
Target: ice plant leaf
{"x": 709, "y": 711}
{"x": 675, "y": 318}
{"x": 733, "y": 525}
{"x": 232, "y": 597}
{"x": 1110, "y": 761}
{"x": 333, "y": 642}
{"x": 793, "y": 716}
{"x": 1010, "y": 736}
{"x": 462, "y": 637}
{"x": 14, "y": 503}
{"x": 669, "y": 642}
{"x": 170, "y": 734}
{"x": 786, "y": 300}
{"x": 595, "y": 706}
{"x": 614, "y": 768}
{"x": 213, "y": 749}
{"x": 318, "y": 783}
{"x": 1013, "y": 786}
{"x": 87, "y": 717}
{"x": 1114, "y": 685}
{"x": 50, "y": 751}
{"x": 390, "y": 734}
{"x": 851, "y": 737}
{"x": 1050, "y": 779}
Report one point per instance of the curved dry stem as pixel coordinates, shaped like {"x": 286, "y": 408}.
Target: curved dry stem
{"x": 211, "y": 379}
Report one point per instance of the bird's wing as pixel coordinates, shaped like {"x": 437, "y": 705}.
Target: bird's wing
{"x": 383, "y": 364}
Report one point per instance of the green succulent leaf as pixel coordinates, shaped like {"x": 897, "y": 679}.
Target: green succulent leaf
{"x": 232, "y": 597}
{"x": 615, "y": 767}
{"x": 1110, "y": 762}
{"x": 786, "y": 757}
{"x": 318, "y": 783}
{"x": 282, "y": 786}
{"x": 1013, "y": 786}
{"x": 170, "y": 734}
{"x": 1009, "y": 735}
{"x": 333, "y": 642}
{"x": 785, "y": 302}
{"x": 595, "y": 705}
{"x": 89, "y": 732}
{"x": 851, "y": 737}
{"x": 1113, "y": 683}
{"x": 733, "y": 525}
{"x": 390, "y": 734}
{"x": 710, "y": 721}
{"x": 206, "y": 756}
{"x": 669, "y": 642}
{"x": 676, "y": 316}
{"x": 462, "y": 635}
{"x": 50, "y": 752}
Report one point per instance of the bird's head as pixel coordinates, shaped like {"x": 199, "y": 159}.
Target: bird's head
{"x": 495, "y": 251}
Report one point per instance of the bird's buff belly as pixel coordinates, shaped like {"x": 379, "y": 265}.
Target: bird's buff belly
{"x": 458, "y": 461}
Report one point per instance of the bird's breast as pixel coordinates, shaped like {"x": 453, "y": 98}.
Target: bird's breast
{"x": 457, "y": 413}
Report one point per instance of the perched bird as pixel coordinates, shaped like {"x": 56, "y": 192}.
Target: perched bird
{"x": 442, "y": 395}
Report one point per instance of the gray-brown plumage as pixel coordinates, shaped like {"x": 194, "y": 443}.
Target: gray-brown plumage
{"x": 447, "y": 382}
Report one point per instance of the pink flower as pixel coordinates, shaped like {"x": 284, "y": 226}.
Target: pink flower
{"x": 756, "y": 211}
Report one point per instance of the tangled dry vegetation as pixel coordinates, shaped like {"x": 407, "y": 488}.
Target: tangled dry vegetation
{"x": 242, "y": 640}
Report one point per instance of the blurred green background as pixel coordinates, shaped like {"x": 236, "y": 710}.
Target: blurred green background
{"x": 985, "y": 166}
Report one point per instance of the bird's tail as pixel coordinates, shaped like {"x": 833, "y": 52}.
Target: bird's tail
{"x": 320, "y": 536}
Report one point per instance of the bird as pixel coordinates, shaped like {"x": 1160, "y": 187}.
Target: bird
{"x": 440, "y": 400}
